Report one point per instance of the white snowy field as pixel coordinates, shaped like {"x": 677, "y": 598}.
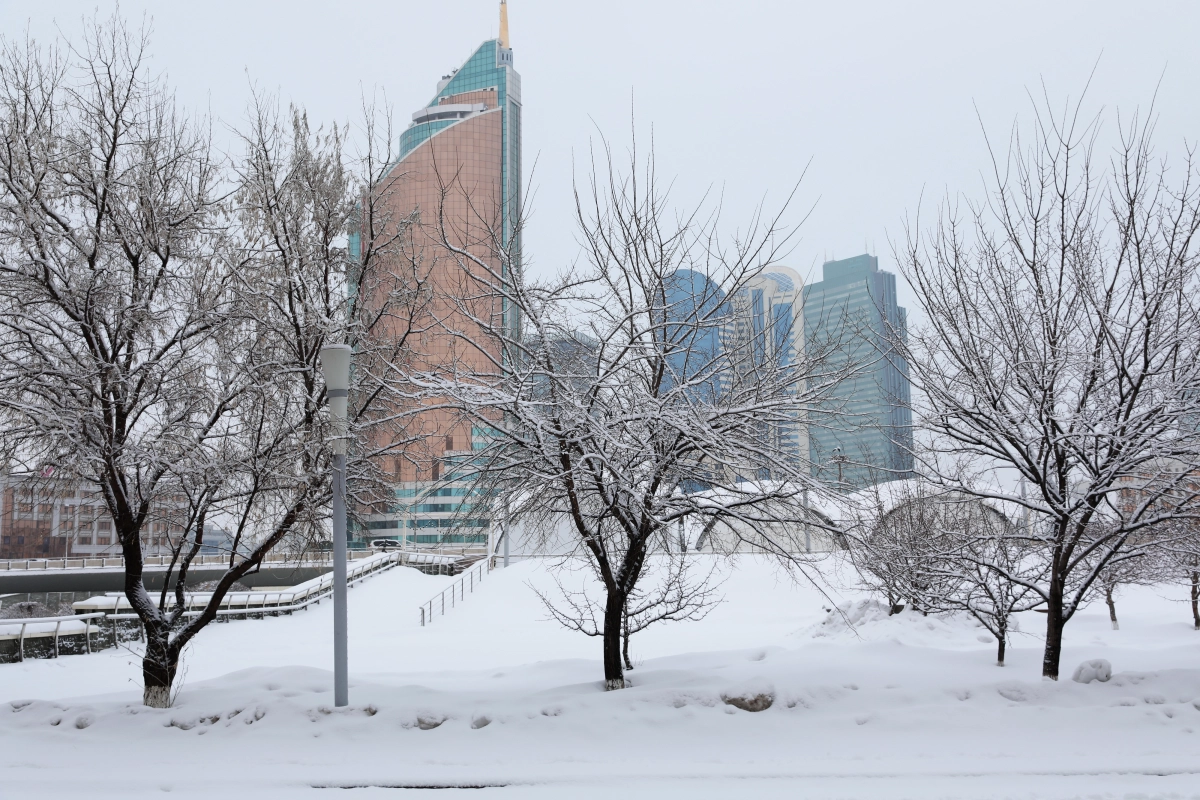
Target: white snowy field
{"x": 496, "y": 696}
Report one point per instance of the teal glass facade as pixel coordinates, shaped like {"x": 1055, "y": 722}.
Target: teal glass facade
{"x": 421, "y": 133}
{"x": 490, "y": 67}
{"x": 863, "y": 435}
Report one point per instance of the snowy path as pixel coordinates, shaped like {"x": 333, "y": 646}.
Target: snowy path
{"x": 495, "y": 696}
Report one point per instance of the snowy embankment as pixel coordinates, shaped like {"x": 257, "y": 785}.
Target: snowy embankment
{"x": 495, "y": 695}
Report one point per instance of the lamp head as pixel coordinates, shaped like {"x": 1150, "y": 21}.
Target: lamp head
{"x": 335, "y": 363}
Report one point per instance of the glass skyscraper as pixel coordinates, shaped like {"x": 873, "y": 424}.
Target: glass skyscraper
{"x": 696, "y": 306}
{"x": 863, "y": 435}
{"x": 716, "y": 340}
{"x": 766, "y": 328}
{"x": 458, "y": 170}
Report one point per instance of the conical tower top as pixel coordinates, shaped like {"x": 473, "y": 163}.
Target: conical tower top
{"x": 504, "y": 24}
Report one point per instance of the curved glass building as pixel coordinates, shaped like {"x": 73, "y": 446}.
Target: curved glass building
{"x": 459, "y": 172}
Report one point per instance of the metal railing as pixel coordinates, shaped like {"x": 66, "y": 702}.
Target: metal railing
{"x": 117, "y": 606}
{"x": 41, "y": 629}
{"x": 458, "y": 591}
{"x": 421, "y": 558}
{"x": 83, "y": 562}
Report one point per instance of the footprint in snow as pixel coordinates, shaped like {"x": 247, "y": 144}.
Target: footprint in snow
{"x": 1013, "y": 693}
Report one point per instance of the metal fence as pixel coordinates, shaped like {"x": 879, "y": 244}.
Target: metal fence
{"x": 456, "y": 591}
{"x": 43, "y": 564}
{"x": 117, "y": 606}
{"x": 46, "y": 627}
{"x": 122, "y": 624}
{"x": 113, "y": 611}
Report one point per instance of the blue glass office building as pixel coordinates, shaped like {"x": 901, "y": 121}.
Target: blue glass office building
{"x": 863, "y": 435}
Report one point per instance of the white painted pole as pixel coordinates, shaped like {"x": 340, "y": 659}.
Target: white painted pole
{"x": 335, "y": 360}
{"x": 505, "y": 529}
{"x": 807, "y": 540}
{"x": 341, "y": 688}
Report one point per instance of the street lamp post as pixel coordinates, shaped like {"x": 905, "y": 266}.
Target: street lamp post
{"x": 807, "y": 539}
{"x": 335, "y": 362}
{"x": 505, "y": 533}
{"x": 838, "y": 459}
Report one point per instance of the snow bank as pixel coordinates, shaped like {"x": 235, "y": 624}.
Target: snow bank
{"x": 860, "y": 704}
{"x": 868, "y": 620}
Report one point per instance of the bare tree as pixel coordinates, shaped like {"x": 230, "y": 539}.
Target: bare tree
{"x": 1187, "y": 566}
{"x": 946, "y": 551}
{"x": 162, "y": 314}
{"x": 1143, "y": 570}
{"x": 1062, "y": 343}
{"x": 311, "y": 234}
{"x": 616, "y": 400}
{"x": 120, "y": 360}
{"x": 326, "y": 260}
{"x": 989, "y": 566}
{"x": 897, "y": 534}
{"x": 669, "y": 591}
{"x": 1174, "y": 556}
{"x": 1185, "y": 561}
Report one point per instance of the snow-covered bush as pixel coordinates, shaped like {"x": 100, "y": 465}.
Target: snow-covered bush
{"x": 1095, "y": 670}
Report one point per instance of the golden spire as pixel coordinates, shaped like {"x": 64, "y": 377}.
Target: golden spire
{"x": 503, "y": 24}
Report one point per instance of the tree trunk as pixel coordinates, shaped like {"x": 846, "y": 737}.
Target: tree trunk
{"x": 1196, "y": 600}
{"x": 920, "y": 605}
{"x": 1001, "y": 642}
{"x": 614, "y": 623}
{"x": 625, "y": 641}
{"x": 1054, "y": 632}
{"x": 1112, "y": 606}
{"x": 158, "y": 669}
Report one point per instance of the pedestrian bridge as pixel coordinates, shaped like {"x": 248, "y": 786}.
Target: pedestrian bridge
{"x": 108, "y": 619}
{"x": 21, "y": 576}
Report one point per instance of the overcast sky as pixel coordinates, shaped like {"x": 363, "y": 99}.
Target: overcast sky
{"x": 880, "y": 96}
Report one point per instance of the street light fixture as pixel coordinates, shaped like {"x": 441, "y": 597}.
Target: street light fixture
{"x": 335, "y": 363}
{"x": 838, "y": 459}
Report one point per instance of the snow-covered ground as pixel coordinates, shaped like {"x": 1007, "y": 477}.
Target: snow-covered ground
{"x": 494, "y": 695}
